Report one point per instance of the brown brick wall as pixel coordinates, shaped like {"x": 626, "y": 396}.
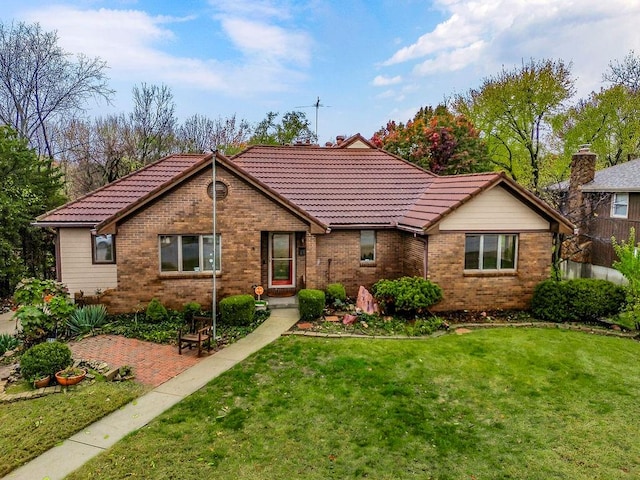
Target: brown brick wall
{"x": 338, "y": 259}
{"x": 241, "y": 217}
{"x": 413, "y": 255}
{"x": 487, "y": 291}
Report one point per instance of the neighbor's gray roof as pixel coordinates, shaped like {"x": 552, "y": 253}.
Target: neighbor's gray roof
{"x": 624, "y": 177}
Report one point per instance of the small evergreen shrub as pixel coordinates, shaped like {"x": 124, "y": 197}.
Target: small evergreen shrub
{"x": 190, "y": 309}
{"x": 45, "y": 359}
{"x": 310, "y": 304}
{"x": 156, "y": 312}
{"x": 406, "y": 296}
{"x": 577, "y": 300}
{"x": 87, "y": 319}
{"x": 237, "y": 310}
{"x": 336, "y": 291}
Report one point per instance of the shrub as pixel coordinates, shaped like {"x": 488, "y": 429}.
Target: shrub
{"x": 32, "y": 291}
{"x": 190, "y": 309}
{"x": 237, "y": 310}
{"x": 336, "y": 291}
{"x": 310, "y": 304}
{"x": 578, "y": 300}
{"x": 45, "y": 359}
{"x": 406, "y": 296}
{"x": 7, "y": 342}
{"x": 156, "y": 312}
{"x": 87, "y": 319}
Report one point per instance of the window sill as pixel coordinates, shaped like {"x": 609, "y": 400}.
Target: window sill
{"x": 490, "y": 273}
{"x": 178, "y": 275}
{"x": 368, "y": 264}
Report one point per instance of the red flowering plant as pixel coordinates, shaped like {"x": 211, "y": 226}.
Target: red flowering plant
{"x": 42, "y": 306}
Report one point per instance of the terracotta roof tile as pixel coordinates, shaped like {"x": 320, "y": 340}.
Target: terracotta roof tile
{"x": 110, "y": 199}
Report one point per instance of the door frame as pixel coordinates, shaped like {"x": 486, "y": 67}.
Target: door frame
{"x": 291, "y": 258}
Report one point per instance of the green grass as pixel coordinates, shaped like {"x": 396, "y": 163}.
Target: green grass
{"x": 492, "y": 404}
{"x": 28, "y": 428}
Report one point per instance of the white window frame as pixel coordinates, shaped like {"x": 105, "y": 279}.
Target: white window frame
{"x": 620, "y": 199}
{"x": 499, "y": 252}
{"x": 200, "y": 252}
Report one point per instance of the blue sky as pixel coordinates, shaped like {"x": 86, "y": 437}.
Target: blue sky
{"x": 367, "y": 61}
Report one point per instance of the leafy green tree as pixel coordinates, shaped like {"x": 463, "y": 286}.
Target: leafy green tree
{"x": 628, "y": 264}
{"x": 293, "y": 128}
{"x": 30, "y": 186}
{"x": 437, "y": 140}
{"x": 513, "y": 110}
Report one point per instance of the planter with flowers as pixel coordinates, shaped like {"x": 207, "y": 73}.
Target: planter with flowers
{"x": 70, "y": 376}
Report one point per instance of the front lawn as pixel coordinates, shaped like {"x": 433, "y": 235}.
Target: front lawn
{"x": 491, "y": 404}
{"x": 29, "y": 428}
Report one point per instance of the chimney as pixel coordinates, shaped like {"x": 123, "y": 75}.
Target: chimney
{"x": 340, "y": 139}
{"x": 583, "y": 170}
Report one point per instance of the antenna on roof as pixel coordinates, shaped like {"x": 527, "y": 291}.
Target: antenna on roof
{"x": 317, "y": 106}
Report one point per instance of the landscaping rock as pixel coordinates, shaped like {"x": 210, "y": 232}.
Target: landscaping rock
{"x": 331, "y": 318}
{"x": 6, "y": 371}
{"x": 365, "y": 302}
{"x": 349, "y": 319}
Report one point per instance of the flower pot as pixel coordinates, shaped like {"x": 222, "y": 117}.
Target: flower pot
{"x": 65, "y": 380}
{"x": 42, "y": 382}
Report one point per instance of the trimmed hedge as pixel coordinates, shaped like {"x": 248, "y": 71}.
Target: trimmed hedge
{"x": 577, "y": 300}
{"x": 237, "y": 310}
{"x": 406, "y": 296}
{"x": 311, "y": 304}
{"x": 336, "y": 291}
{"x": 44, "y": 359}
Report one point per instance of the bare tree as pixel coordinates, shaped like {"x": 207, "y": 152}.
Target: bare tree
{"x": 153, "y": 121}
{"x": 199, "y": 134}
{"x": 625, "y": 72}
{"x": 40, "y": 83}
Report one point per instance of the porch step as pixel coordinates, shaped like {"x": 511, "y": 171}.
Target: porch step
{"x": 282, "y": 302}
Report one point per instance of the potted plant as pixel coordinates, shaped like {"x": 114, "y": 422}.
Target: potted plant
{"x": 70, "y": 376}
{"x": 41, "y": 381}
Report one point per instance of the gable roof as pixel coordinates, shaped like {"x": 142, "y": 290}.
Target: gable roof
{"x": 347, "y": 186}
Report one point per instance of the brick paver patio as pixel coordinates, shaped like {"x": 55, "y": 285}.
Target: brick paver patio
{"x": 152, "y": 364}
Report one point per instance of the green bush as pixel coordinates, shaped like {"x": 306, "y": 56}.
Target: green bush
{"x": 237, "y": 310}
{"x": 578, "y": 300}
{"x": 156, "y": 312}
{"x": 32, "y": 291}
{"x": 336, "y": 291}
{"x": 406, "y": 296}
{"x": 310, "y": 304}
{"x": 87, "y": 319}
{"x": 44, "y": 359}
{"x": 190, "y": 309}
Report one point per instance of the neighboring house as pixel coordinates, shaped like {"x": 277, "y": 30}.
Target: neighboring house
{"x": 602, "y": 204}
{"x": 295, "y": 217}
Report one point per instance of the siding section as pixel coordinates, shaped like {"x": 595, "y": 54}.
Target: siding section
{"x": 76, "y": 269}
{"x": 494, "y": 210}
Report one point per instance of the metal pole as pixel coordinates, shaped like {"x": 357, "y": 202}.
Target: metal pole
{"x": 215, "y": 246}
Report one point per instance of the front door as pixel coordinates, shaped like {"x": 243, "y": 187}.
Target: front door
{"x": 281, "y": 260}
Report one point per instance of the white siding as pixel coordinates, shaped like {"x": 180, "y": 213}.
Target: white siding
{"x": 497, "y": 210}
{"x": 77, "y": 270}
{"x": 359, "y": 144}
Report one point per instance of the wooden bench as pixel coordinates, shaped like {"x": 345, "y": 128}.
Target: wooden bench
{"x": 197, "y": 332}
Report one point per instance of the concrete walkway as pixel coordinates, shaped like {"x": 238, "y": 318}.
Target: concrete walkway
{"x": 72, "y": 453}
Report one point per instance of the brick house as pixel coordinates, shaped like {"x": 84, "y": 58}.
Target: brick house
{"x": 295, "y": 217}
{"x": 602, "y": 204}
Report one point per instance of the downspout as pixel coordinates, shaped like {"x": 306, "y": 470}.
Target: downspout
{"x": 425, "y": 260}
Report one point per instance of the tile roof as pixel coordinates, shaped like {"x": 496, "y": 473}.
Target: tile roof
{"x": 107, "y": 201}
{"x": 339, "y": 186}
{"x": 335, "y": 187}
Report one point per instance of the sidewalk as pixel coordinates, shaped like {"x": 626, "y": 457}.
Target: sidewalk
{"x": 72, "y": 453}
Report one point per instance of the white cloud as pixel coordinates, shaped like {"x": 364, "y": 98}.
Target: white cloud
{"x": 383, "y": 81}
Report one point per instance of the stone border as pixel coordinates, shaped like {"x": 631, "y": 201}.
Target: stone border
{"x": 40, "y": 392}
{"x": 453, "y": 327}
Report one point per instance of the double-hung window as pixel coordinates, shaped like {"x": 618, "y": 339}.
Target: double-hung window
{"x": 189, "y": 253}
{"x": 620, "y": 205}
{"x": 491, "y": 252}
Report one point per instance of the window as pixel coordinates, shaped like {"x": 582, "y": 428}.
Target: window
{"x": 103, "y": 248}
{"x": 221, "y": 190}
{"x": 189, "y": 253}
{"x": 620, "y": 205}
{"x": 367, "y": 246}
{"x": 490, "y": 252}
